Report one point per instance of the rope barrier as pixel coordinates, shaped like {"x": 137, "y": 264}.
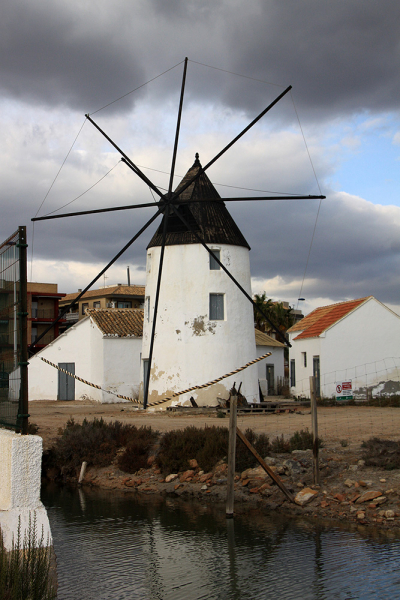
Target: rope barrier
{"x": 174, "y": 395}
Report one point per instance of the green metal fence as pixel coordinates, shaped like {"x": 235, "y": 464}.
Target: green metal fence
{"x": 13, "y": 333}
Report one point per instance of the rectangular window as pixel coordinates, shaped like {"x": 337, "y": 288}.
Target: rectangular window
{"x": 292, "y": 373}
{"x": 217, "y": 307}
{"x": 304, "y": 356}
{"x": 85, "y": 305}
{"x": 147, "y": 308}
{"x": 148, "y": 266}
{"x": 124, "y": 304}
{"x": 214, "y": 266}
{"x": 96, "y": 304}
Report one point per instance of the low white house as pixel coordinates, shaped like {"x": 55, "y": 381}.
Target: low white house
{"x": 355, "y": 341}
{"x": 272, "y": 369}
{"x": 103, "y": 348}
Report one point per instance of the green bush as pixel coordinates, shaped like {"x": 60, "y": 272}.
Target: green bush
{"x": 95, "y": 442}
{"x": 24, "y": 571}
{"x": 208, "y": 446}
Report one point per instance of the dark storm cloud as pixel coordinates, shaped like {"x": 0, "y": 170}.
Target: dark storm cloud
{"x": 339, "y": 56}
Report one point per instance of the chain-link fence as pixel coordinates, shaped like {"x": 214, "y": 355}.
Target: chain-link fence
{"x": 13, "y": 336}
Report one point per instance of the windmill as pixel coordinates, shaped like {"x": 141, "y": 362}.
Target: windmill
{"x": 173, "y": 206}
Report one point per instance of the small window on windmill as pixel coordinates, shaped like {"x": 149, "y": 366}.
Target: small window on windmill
{"x": 304, "y": 356}
{"x": 147, "y": 308}
{"x": 217, "y": 307}
{"x": 148, "y": 266}
{"x": 214, "y": 266}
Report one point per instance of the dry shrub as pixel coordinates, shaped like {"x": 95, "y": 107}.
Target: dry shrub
{"x": 208, "y": 446}
{"x": 96, "y": 442}
{"x": 384, "y": 454}
{"x": 137, "y": 451}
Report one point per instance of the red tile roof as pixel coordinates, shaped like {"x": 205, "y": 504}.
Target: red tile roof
{"x": 117, "y": 290}
{"x": 118, "y": 322}
{"x": 321, "y": 319}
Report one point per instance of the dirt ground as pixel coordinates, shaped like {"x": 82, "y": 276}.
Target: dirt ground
{"x": 348, "y": 424}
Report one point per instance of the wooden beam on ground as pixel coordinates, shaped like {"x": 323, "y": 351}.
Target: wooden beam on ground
{"x": 264, "y": 465}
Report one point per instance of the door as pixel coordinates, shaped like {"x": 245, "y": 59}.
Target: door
{"x": 66, "y": 383}
{"x": 271, "y": 380}
{"x": 316, "y": 374}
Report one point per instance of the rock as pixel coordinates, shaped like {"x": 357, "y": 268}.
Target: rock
{"x": 193, "y": 463}
{"x": 245, "y": 482}
{"x": 361, "y": 515}
{"x": 171, "y": 477}
{"x": 324, "y": 504}
{"x": 186, "y": 475}
{"x": 305, "y": 496}
{"x": 301, "y": 453}
{"x": 254, "y": 490}
{"x": 299, "y": 484}
{"x": 293, "y": 466}
{"x": 389, "y": 514}
{"x": 362, "y": 483}
{"x": 349, "y": 483}
{"x": 361, "y": 463}
{"x": 367, "y": 496}
{"x": 388, "y": 492}
{"x": 270, "y": 461}
{"x": 204, "y": 487}
{"x": 353, "y": 468}
{"x": 340, "y": 497}
{"x": 382, "y": 480}
{"x": 380, "y": 500}
{"x": 205, "y": 477}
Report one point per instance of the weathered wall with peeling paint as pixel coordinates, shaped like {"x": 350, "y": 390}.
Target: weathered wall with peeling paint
{"x": 363, "y": 346}
{"x": 190, "y": 349}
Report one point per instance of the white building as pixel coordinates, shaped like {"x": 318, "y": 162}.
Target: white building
{"x": 104, "y": 348}
{"x": 205, "y": 325}
{"x": 271, "y": 371}
{"x": 355, "y": 341}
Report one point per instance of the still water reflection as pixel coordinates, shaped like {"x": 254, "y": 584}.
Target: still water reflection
{"x": 112, "y": 546}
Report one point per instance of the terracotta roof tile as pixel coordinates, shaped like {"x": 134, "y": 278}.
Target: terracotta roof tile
{"x": 120, "y": 322}
{"x": 320, "y": 319}
{"x": 262, "y": 339}
{"x": 117, "y": 290}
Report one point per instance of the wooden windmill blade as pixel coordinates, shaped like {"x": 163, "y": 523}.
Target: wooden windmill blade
{"x": 169, "y": 205}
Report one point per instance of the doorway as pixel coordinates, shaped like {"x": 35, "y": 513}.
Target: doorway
{"x": 66, "y": 383}
{"x": 271, "y": 380}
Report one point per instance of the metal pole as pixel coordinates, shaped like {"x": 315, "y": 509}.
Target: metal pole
{"x": 23, "y": 314}
{"x": 314, "y": 424}
{"x": 230, "y": 492}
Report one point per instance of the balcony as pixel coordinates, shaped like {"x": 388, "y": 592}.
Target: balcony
{"x": 72, "y": 317}
{"x": 43, "y": 313}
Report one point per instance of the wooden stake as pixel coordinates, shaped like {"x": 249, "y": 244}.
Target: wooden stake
{"x": 264, "y": 465}
{"x": 230, "y": 493}
{"x": 314, "y": 424}
{"x": 82, "y": 473}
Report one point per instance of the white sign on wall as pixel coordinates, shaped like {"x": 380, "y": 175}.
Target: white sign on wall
{"x": 344, "y": 390}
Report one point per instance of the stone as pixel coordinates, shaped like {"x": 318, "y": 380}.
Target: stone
{"x": 362, "y": 483}
{"x": 204, "y": 487}
{"x": 171, "y": 477}
{"x": 206, "y": 477}
{"x": 382, "y": 480}
{"x": 361, "y": 515}
{"x": 293, "y": 466}
{"x": 186, "y": 475}
{"x": 340, "y": 497}
{"x": 389, "y": 514}
{"x": 270, "y": 461}
{"x": 361, "y": 463}
{"x": 193, "y": 463}
{"x": 367, "y": 496}
{"x": 349, "y": 483}
{"x": 305, "y": 496}
{"x": 324, "y": 504}
{"x": 380, "y": 500}
{"x": 245, "y": 482}
{"x": 299, "y": 484}
{"x": 353, "y": 468}
{"x": 254, "y": 490}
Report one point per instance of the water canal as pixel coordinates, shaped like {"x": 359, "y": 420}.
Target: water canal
{"x": 112, "y": 546}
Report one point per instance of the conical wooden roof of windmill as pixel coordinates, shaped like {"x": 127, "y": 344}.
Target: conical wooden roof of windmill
{"x": 204, "y": 210}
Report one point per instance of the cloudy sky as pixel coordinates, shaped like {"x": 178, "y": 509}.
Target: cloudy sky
{"x": 60, "y": 60}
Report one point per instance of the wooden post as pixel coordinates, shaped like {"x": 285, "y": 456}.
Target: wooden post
{"x": 231, "y": 457}
{"x": 82, "y": 473}
{"x": 314, "y": 424}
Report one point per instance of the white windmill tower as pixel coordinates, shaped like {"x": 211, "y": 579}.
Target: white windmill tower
{"x": 205, "y": 325}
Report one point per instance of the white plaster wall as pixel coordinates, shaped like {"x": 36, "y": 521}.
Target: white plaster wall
{"x": 81, "y": 344}
{"x": 121, "y": 367}
{"x": 312, "y": 346}
{"x": 363, "y": 346}
{"x": 20, "y": 471}
{"x": 190, "y": 349}
{"x": 276, "y": 359}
